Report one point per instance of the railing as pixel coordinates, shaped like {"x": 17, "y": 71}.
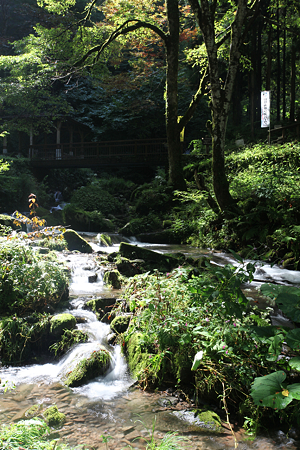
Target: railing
{"x": 110, "y": 152}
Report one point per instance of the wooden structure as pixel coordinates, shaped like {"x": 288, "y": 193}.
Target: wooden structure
{"x": 90, "y": 154}
{"x": 283, "y": 130}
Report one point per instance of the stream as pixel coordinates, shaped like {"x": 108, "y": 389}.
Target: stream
{"x": 112, "y": 405}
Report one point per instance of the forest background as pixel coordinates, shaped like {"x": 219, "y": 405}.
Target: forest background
{"x": 124, "y": 70}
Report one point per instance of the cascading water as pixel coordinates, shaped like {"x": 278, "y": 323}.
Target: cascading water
{"x": 109, "y": 403}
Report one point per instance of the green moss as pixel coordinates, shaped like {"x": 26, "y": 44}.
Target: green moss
{"x": 61, "y": 322}
{"x": 105, "y": 239}
{"x": 68, "y": 339}
{"x": 101, "y": 306}
{"x": 76, "y": 242}
{"x": 97, "y": 364}
{"x": 113, "y": 278}
{"x": 33, "y": 411}
{"x": 210, "y": 419}
{"x": 53, "y": 417}
{"x": 120, "y": 324}
{"x": 137, "y": 357}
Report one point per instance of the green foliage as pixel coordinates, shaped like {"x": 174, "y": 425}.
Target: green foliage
{"x": 206, "y": 326}
{"x": 93, "y": 197}
{"x": 31, "y": 435}
{"x": 27, "y": 280}
{"x": 170, "y": 441}
{"x": 83, "y": 220}
{"x": 19, "y": 336}
{"x": 68, "y": 339}
{"x": 272, "y": 392}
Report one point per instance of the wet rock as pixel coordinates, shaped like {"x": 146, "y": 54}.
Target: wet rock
{"x": 113, "y": 278}
{"x": 61, "y": 322}
{"x": 167, "y": 401}
{"x": 93, "y": 278}
{"x": 153, "y": 260}
{"x": 76, "y": 242}
{"x": 101, "y": 306}
{"x": 111, "y": 338}
{"x": 104, "y": 239}
{"x": 120, "y": 323}
{"x": 88, "y": 368}
{"x": 33, "y": 411}
{"x": 130, "y": 268}
{"x": 53, "y": 417}
{"x": 203, "y": 419}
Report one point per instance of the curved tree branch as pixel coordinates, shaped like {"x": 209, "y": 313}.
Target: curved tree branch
{"x": 127, "y": 27}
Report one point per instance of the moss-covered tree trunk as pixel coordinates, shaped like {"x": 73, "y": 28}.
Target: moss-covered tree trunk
{"x": 221, "y": 91}
{"x": 176, "y": 177}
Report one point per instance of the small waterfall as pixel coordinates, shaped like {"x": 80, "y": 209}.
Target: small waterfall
{"x": 116, "y": 380}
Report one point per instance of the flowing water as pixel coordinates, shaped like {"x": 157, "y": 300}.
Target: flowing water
{"x": 112, "y": 405}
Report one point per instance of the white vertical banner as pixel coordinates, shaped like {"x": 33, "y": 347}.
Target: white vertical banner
{"x": 265, "y": 108}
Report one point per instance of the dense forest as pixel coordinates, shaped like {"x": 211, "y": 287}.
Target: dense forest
{"x": 190, "y": 72}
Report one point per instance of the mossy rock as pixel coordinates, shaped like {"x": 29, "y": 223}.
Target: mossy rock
{"x": 61, "y": 322}
{"x": 88, "y": 368}
{"x": 137, "y": 356}
{"x": 53, "y": 417}
{"x": 101, "y": 307}
{"x": 120, "y": 324}
{"x": 209, "y": 420}
{"x": 104, "y": 239}
{"x": 113, "y": 278}
{"x": 201, "y": 419}
{"x": 130, "y": 268}
{"x": 76, "y": 242}
{"x": 33, "y": 411}
{"x": 153, "y": 260}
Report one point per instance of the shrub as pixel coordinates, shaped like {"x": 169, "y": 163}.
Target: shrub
{"x": 93, "y": 197}
{"x": 28, "y": 281}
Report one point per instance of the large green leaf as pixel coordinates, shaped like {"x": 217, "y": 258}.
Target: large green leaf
{"x": 294, "y": 363}
{"x": 275, "y": 347}
{"x": 273, "y": 290}
{"x": 294, "y": 390}
{"x": 268, "y": 391}
{"x": 264, "y": 332}
{"x": 293, "y": 338}
{"x": 290, "y": 305}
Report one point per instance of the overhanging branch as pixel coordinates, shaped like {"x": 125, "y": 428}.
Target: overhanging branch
{"x": 127, "y": 27}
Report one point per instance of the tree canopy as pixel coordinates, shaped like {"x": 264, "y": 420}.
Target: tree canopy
{"x": 117, "y": 56}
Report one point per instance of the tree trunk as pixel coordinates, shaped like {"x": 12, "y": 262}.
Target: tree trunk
{"x": 278, "y": 65}
{"x": 220, "y": 94}
{"x": 269, "y": 60}
{"x": 293, "y": 80}
{"x": 284, "y": 68}
{"x": 176, "y": 178}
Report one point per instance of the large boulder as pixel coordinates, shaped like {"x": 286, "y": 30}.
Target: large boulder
{"x": 120, "y": 323}
{"x": 101, "y": 306}
{"x": 153, "y": 260}
{"x": 76, "y": 242}
{"x": 61, "y": 322}
{"x": 113, "y": 278}
{"x": 95, "y": 365}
